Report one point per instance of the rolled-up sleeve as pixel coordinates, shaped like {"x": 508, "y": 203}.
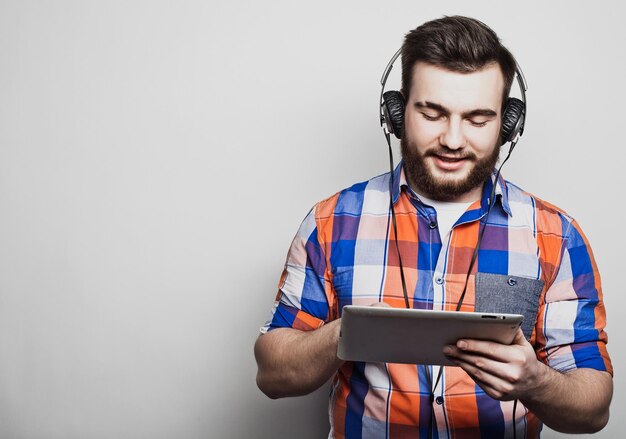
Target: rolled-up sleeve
{"x": 572, "y": 317}
{"x": 301, "y": 302}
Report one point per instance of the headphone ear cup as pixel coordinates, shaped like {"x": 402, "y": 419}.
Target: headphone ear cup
{"x": 393, "y": 109}
{"x": 512, "y": 119}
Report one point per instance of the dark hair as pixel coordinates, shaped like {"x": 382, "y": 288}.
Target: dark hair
{"x": 456, "y": 43}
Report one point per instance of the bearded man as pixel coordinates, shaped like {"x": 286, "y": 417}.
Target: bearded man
{"x": 533, "y": 259}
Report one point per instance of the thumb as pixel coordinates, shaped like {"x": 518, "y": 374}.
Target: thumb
{"x": 519, "y": 338}
{"x": 381, "y": 304}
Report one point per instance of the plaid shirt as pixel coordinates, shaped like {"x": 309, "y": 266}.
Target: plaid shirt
{"x": 534, "y": 260}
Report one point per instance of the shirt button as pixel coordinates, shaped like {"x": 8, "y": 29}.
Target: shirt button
{"x": 439, "y": 400}
{"x": 439, "y": 280}
{"x": 512, "y": 282}
{"x": 433, "y": 224}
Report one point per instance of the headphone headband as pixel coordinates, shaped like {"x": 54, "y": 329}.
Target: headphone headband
{"x": 393, "y": 59}
{"x": 518, "y": 129}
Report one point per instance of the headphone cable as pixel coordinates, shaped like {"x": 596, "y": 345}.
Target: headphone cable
{"x": 393, "y": 220}
{"x": 514, "y": 423}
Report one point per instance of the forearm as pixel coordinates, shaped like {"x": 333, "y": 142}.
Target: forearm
{"x": 292, "y": 362}
{"x": 574, "y": 402}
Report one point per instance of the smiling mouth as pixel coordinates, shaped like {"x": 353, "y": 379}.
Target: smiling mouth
{"x": 449, "y": 163}
{"x": 450, "y": 159}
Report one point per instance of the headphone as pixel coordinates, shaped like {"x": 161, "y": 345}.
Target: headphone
{"x": 392, "y": 104}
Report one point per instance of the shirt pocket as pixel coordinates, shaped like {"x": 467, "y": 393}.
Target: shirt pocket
{"x": 509, "y": 294}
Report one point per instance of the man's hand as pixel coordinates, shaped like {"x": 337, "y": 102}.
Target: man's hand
{"x": 504, "y": 372}
{"x": 573, "y": 402}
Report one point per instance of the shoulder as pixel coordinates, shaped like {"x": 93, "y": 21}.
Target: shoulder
{"x": 546, "y": 216}
{"x": 369, "y": 196}
{"x": 551, "y": 228}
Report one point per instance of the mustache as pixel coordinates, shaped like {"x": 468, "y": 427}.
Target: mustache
{"x": 447, "y": 152}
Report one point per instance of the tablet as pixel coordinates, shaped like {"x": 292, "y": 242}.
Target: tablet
{"x": 415, "y": 336}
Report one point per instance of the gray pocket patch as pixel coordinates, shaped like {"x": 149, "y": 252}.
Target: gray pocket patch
{"x": 511, "y": 295}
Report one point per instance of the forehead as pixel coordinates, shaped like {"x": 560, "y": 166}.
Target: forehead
{"x": 458, "y": 91}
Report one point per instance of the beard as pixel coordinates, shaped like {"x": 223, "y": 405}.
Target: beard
{"x": 442, "y": 188}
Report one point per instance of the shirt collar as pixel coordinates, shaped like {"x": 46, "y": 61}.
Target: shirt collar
{"x": 400, "y": 182}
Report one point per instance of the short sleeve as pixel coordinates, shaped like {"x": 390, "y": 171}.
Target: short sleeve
{"x": 572, "y": 317}
{"x": 301, "y": 302}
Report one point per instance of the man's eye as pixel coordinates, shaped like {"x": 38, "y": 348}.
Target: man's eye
{"x": 431, "y": 117}
{"x": 478, "y": 124}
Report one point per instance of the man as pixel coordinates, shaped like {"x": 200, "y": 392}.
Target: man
{"x": 533, "y": 260}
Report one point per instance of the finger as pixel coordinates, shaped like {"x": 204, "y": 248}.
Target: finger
{"x": 381, "y": 305}
{"x": 520, "y": 339}
{"x": 492, "y": 385}
{"x": 470, "y": 370}
{"x": 499, "y": 369}
{"x": 490, "y": 349}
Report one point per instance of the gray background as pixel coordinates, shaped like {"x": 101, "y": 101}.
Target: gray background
{"x": 157, "y": 157}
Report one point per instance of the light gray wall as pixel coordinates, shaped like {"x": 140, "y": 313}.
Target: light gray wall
{"x": 157, "y": 157}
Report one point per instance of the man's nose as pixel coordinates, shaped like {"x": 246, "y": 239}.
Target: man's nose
{"x": 453, "y": 136}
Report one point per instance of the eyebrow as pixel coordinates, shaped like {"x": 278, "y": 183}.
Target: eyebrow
{"x": 486, "y": 112}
